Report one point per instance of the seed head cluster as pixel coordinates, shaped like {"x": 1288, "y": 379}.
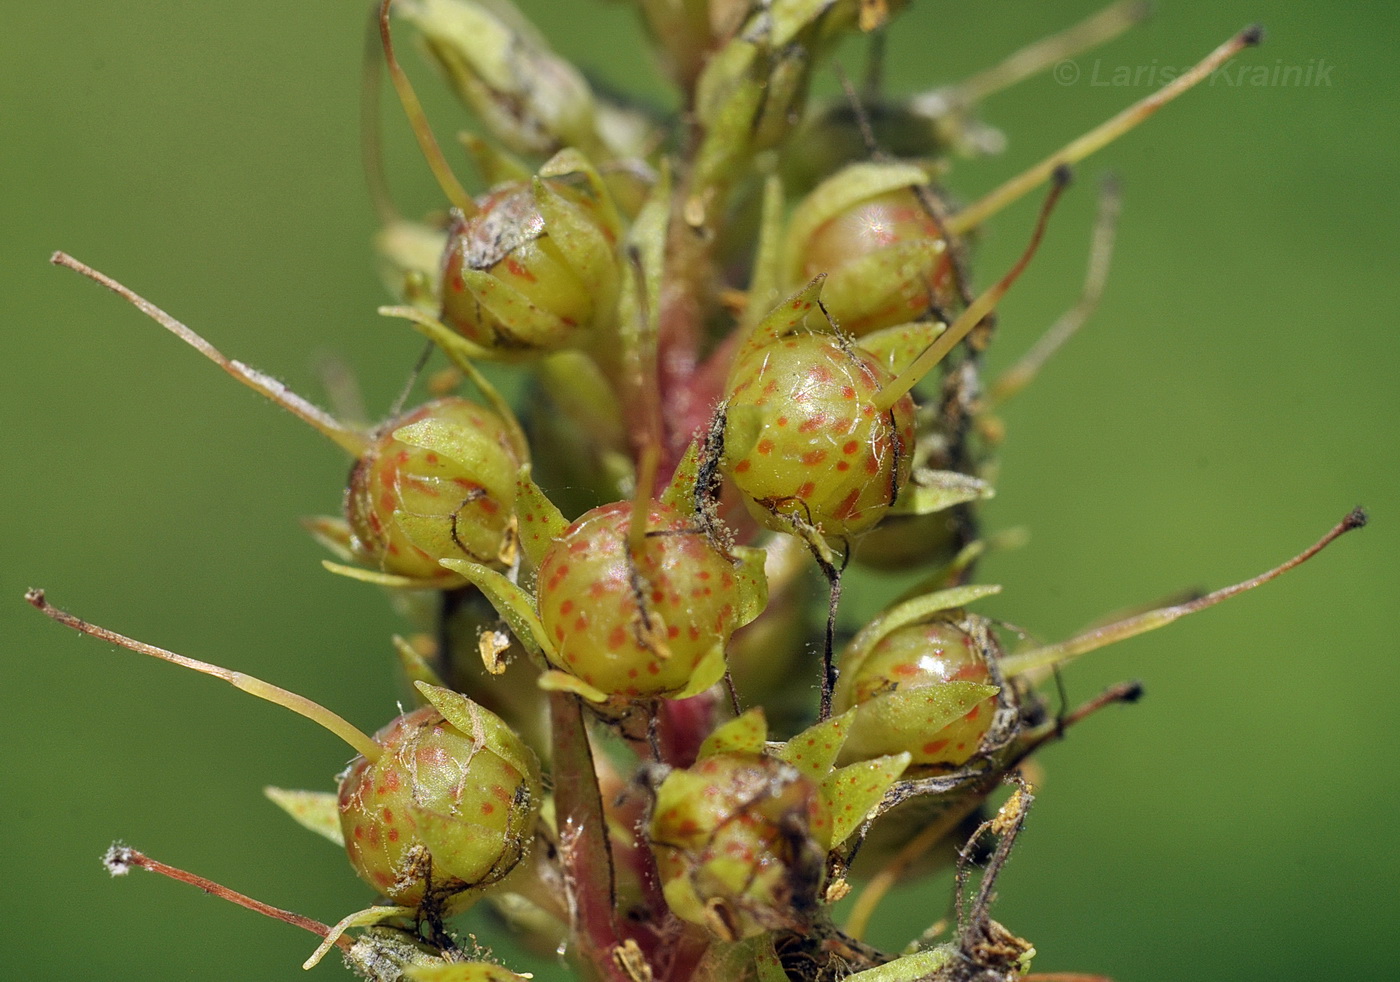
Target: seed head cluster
{"x": 750, "y": 344}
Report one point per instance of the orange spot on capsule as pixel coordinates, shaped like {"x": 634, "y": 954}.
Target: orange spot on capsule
{"x": 848, "y": 505}
{"x": 517, "y": 268}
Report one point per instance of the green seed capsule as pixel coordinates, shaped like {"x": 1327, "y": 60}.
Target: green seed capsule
{"x": 805, "y": 442}
{"x": 451, "y": 803}
{"x": 644, "y": 622}
{"x": 886, "y": 258}
{"x": 437, "y": 483}
{"x": 535, "y": 268}
{"x": 914, "y": 657}
{"x": 736, "y": 840}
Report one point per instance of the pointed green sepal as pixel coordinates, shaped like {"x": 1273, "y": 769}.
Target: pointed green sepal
{"x": 511, "y": 602}
{"x": 485, "y": 729}
{"x": 462, "y": 972}
{"x": 855, "y": 789}
{"x": 390, "y": 580}
{"x": 814, "y": 750}
{"x": 934, "y": 491}
{"x": 314, "y": 810}
{"x": 466, "y": 446}
{"x": 332, "y": 533}
{"x": 633, "y": 342}
{"x": 457, "y": 348}
{"x": 787, "y": 317}
{"x": 680, "y": 491}
{"x": 710, "y": 670}
{"x": 410, "y": 260}
{"x": 744, "y": 734}
{"x": 529, "y": 327}
{"x": 751, "y": 581}
{"x": 433, "y": 534}
{"x": 791, "y": 17}
{"x": 770, "y": 969}
{"x": 919, "y": 965}
{"x": 540, "y": 522}
{"x": 554, "y": 680}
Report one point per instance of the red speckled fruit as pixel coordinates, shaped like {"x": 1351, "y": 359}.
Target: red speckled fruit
{"x": 917, "y": 656}
{"x": 803, "y": 439}
{"x": 636, "y": 626}
{"x": 459, "y": 498}
{"x": 736, "y": 840}
{"x": 458, "y": 806}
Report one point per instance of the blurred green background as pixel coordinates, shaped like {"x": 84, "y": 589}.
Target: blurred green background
{"x": 1235, "y": 396}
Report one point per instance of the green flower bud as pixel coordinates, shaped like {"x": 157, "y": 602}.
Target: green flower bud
{"x": 437, "y": 483}
{"x": 535, "y": 269}
{"x": 450, "y": 805}
{"x": 738, "y": 840}
{"x": 687, "y": 32}
{"x": 752, "y": 93}
{"x": 532, "y": 100}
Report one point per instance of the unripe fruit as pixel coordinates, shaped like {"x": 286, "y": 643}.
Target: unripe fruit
{"x": 737, "y": 844}
{"x": 638, "y": 622}
{"x": 437, "y": 483}
{"x": 804, "y": 440}
{"x": 872, "y": 229}
{"x": 443, "y": 807}
{"x": 916, "y": 656}
{"x": 532, "y": 270}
